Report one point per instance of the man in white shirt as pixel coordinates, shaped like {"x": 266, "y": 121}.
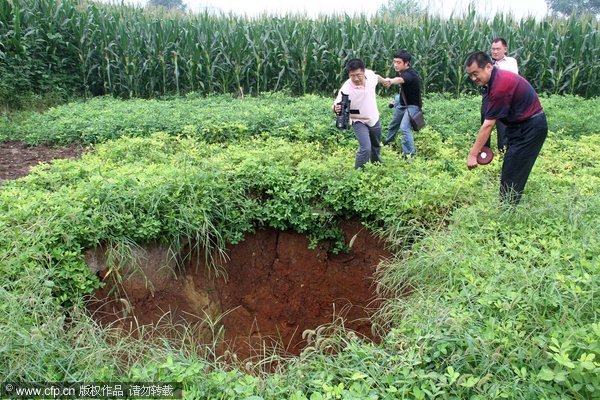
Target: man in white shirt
{"x": 364, "y": 116}
{"x": 501, "y": 61}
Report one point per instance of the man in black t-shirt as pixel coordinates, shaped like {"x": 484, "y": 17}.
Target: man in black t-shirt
{"x": 409, "y": 102}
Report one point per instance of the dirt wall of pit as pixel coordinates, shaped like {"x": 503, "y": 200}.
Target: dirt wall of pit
{"x": 271, "y": 288}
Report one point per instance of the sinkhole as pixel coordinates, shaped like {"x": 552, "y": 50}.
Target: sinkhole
{"x": 271, "y": 289}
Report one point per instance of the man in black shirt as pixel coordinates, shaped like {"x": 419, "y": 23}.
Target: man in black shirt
{"x": 409, "y": 101}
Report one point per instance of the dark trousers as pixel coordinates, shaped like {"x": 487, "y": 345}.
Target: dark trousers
{"x": 501, "y": 130}
{"x": 369, "y": 143}
{"x": 524, "y": 142}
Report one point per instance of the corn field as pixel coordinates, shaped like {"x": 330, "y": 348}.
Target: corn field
{"x": 90, "y": 49}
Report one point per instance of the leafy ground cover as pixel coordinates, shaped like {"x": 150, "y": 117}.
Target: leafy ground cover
{"x": 220, "y": 119}
{"x": 503, "y": 301}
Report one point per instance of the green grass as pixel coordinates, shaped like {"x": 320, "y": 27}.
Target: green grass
{"x": 503, "y": 302}
{"x": 223, "y": 119}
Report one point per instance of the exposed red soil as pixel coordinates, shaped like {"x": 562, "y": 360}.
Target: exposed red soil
{"x": 17, "y": 158}
{"x": 276, "y": 288}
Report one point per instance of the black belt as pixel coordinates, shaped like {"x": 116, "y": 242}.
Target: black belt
{"x": 534, "y": 116}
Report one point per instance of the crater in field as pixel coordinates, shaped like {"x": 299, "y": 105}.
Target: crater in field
{"x": 275, "y": 288}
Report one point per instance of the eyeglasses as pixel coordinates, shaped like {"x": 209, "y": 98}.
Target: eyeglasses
{"x": 356, "y": 75}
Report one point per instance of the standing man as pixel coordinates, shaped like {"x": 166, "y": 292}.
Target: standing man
{"x": 409, "y": 102}
{"x": 360, "y": 88}
{"x": 503, "y": 62}
{"x": 512, "y": 100}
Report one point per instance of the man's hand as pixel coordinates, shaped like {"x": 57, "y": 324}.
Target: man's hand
{"x": 396, "y": 81}
{"x": 337, "y": 108}
{"x": 387, "y": 82}
{"x": 471, "y": 161}
{"x": 482, "y": 136}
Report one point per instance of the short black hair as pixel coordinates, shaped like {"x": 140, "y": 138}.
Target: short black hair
{"x": 354, "y": 63}
{"x": 501, "y": 40}
{"x": 403, "y": 55}
{"x": 482, "y": 59}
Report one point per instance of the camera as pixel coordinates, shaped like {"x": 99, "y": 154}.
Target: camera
{"x": 393, "y": 102}
{"x": 343, "y": 118}
{"x": 342, "y": 121}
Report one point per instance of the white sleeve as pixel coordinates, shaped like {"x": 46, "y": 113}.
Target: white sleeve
{"x": 344, "y": 89}
{"x": 513, "y": 65}
{"x": 371, "y": 78}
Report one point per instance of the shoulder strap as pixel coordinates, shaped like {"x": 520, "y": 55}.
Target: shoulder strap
{"x": 406, "y": 102}
{"x": 404, "y": 97}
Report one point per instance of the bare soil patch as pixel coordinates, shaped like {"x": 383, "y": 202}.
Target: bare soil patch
{"x": 17, "y": 158}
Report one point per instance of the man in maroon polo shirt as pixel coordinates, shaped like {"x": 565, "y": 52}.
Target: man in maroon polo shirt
{"x": 512, "y": 100}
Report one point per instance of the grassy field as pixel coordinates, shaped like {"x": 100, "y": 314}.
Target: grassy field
{"x": 503, "y": 302}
